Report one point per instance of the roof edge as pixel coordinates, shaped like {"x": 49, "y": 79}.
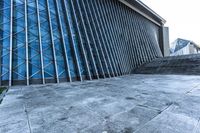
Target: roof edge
{"x": 145, "y": 11}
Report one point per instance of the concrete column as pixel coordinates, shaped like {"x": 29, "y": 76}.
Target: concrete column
{"x": 164, "y": 41}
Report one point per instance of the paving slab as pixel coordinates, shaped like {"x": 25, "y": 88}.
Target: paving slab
{"x": 126, "y": 104}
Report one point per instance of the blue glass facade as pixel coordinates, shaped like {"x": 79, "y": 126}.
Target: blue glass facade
{"x": 44, "y": 41}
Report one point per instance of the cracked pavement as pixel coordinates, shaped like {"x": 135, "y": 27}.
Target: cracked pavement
{"x": 127, "y": 104}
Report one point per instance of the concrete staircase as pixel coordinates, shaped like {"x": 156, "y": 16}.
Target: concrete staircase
{"x": 186, "y": 65}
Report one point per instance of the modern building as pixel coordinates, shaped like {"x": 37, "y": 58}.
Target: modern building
{"x": 184, "y": 47}
{"x": 52, "y": 41}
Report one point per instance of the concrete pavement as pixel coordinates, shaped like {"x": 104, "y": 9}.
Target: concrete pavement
{"x": 127, "y": 104}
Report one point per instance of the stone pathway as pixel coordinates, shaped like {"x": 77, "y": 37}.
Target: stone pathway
{"x": 127, "y": 104}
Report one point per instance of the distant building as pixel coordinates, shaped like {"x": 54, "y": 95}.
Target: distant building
{"x": 183, "y": 47}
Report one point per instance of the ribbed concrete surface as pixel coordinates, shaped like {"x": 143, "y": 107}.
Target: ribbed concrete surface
{"x": 187, "y": 64}
{"x": 129, "y": 104}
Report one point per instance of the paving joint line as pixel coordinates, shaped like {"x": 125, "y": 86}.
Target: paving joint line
{"x": 26, "y": 113}
{"x": 192, "y": 89}
{"x": 167, "y": 108}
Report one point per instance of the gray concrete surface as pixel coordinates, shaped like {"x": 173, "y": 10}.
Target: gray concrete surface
{"x": 128, "y": 104}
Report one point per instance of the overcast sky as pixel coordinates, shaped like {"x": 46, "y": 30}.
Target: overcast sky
{"x": 182, "y": 16}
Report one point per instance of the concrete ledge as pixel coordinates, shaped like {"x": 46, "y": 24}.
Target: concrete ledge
{"x": 182, "y": 65}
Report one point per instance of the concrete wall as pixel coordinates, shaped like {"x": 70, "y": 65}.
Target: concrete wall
{"x": 164, "y": 41}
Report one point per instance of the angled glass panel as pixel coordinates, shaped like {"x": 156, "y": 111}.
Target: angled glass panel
{"x": 33, "y": 42}
{"x": 61, "y": 62}
{"x": 49, "y": 69}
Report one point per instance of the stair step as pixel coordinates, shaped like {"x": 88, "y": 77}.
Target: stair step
{"x": 186, "y": 64}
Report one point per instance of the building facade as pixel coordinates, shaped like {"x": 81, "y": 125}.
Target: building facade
{"x": 52, "y": 41}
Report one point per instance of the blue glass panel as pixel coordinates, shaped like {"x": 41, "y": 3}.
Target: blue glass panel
{"x": 5, "y": 58}
{"x": 60, "y": 57}
{"x": 77, "y": 44}
{"x": 49, "y": 69}
{"x": 4, "y": 39}
{"x": 19, "y": 67}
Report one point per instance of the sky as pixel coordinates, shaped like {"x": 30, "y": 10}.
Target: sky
{"x": 182, "y": 16}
